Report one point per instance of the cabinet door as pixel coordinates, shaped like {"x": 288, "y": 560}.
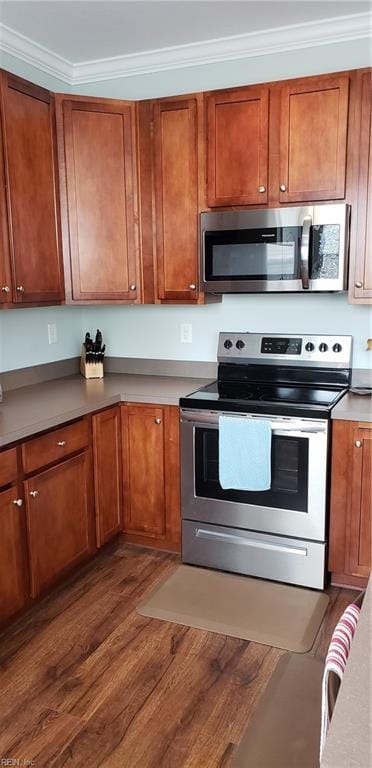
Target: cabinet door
{"x": 30, "y": 152}
{"x": 107, "y": 473}
{"x": 144, "y": 470}
{"x": 176, "y": 198}
{"x": 362, "y": 284}
{"x": 99, "y": 144}
{"x": 60, "y": 520}
{"x": 238, "y": 137}
{"x": 13, "y": 562}
{"x": 360, "y": 520}
{"x": 6, "y": 293}
{"x": 313, "y": 138}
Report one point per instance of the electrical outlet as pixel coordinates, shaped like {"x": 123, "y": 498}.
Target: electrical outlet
{"x": 52, "y": 333}
{"x": 186, "y": 333}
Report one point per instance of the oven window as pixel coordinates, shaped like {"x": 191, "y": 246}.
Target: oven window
{"x": 253, "y": 254}
{"x": 289, "y": 473}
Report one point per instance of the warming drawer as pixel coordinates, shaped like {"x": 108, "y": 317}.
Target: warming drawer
{"x": 279, "y": 558}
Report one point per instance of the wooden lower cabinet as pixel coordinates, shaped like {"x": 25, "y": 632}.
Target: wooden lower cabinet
{"x": 13, "y": 557}
{"x": 350, "y": 555}
{"x": 60, "y": 520}
{"x": 151, "y": 475}
{"x": 107, "y": 473}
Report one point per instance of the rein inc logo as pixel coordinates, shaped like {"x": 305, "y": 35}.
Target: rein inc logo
{"x": 16, "y": 761}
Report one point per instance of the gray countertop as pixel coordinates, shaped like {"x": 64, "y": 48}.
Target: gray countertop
{"x": 29, "y": 410}
{"x": 353, "y": 408}
{"x": 32, "y": 409}
{"x": 349, "y": 743}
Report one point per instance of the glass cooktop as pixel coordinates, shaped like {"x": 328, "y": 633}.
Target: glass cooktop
{"x": 264, "y": 397}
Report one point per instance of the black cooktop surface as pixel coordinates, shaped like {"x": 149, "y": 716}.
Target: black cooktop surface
{"x": 264, "y": 397}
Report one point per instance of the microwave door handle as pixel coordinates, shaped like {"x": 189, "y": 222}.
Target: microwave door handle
{"x": 305, "y": 252}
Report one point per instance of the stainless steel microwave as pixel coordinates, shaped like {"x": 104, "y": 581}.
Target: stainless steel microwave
{"x": 275, "y": 249}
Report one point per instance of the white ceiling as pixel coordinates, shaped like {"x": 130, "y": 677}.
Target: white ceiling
{"x": 91, "y": 30}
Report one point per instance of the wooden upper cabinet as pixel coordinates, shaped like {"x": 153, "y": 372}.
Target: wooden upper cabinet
{"x": 99, "y": 199}
{"x": 107, "y": 473}
{"x": 176, "y": 163}
{"x": 238, "y": 138}
{"x": 361, "y": 270}
{"x": 6, "y": 284}
{"x": 33, "y": 208}
{"x": 313, "y": 139}
{"x": 13, "y": 558}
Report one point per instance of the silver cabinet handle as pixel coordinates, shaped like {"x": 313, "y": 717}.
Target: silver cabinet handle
{"x": 133, "y": 287}
{"x": 359, "y": 284}
{"x": 157, "y": 421}
{"x": 305, "y": 252}
{"x": 5, "y": 288}
{"x": 18, "y": 502}
{"x": 283, "y": 188}
{"x": 61, "y": 443}
{"x": 192, "y": 286}
{"x": 34, "y": 494}
{"x": 20, "y": 289}
{"x": 261, "y": 188}
{"x": 358, "y": 443}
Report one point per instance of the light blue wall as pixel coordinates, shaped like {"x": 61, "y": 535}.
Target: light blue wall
{"x": 22, "y": 69}
{"x": 24, "y": 336}
{"x": 154, "y": 331}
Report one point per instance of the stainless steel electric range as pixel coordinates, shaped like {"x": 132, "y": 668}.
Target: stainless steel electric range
{"x": 281, "y": 533}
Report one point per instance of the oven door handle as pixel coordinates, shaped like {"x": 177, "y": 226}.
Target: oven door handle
{"x": 210, "y": 419}
{"x": 305, "y": 252}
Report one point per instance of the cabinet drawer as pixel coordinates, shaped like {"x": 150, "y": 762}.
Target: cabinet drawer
{"x": 8, "y": 466}
{"x": 54, "y": 445}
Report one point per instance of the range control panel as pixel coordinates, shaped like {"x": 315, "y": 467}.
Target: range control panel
{"x": 310, "y": 350}
{"x": 279, "y": 345}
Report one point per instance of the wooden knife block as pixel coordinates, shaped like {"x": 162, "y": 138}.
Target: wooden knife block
{"x": 90, "y": 370}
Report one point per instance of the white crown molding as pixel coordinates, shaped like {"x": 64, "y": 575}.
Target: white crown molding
{"x": 25, "y": 49}
{"x": 263, "y": 43}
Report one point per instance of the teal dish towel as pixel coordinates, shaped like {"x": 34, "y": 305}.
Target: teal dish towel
{"x": 244, "y": 453}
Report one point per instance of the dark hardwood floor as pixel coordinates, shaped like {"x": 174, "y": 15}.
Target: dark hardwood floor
{"x": 85, "y": 681}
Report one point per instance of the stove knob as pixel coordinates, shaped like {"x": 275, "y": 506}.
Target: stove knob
{"x": 228, "y": 344}
{"x": 323, "y": 347}
{"x": 309, "y": 346}
{"x": 337, "y": 347}
{"x": 240, "y": 344}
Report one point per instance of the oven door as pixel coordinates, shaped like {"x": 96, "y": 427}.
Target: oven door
{"x": 294, "y": 506}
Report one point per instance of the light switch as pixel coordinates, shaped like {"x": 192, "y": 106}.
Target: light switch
{"x": 186, "y": 333}
{"x": 52, "y": 333}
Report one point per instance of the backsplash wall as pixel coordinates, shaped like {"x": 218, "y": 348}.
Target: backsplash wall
{"x": 154, "y": 331}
